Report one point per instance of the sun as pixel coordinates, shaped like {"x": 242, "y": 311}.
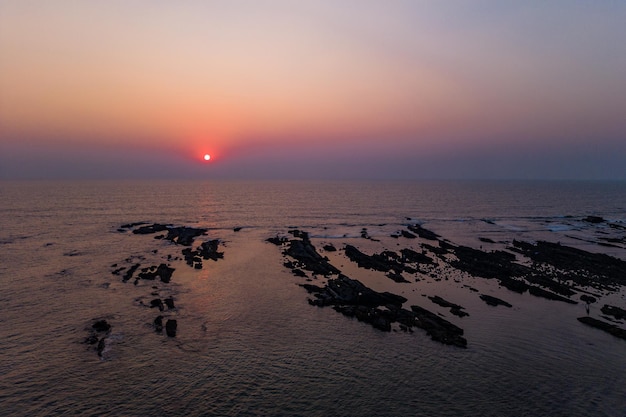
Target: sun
{"x": 207, "y": 157}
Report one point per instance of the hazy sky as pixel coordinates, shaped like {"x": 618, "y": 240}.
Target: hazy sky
{"x": 313, "y": 89}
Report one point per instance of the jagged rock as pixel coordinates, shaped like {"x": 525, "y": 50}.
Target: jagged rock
{"x": 423, "y": 233}
{"x": 304, "y": 252}
{"x": 618, "y": 313}
{"x": 129, "y": 274}
{"x": 409, "y": 255}
{"x": 184, "y": 235}
{"x": 208, "y": 250}
{"x": 407, "y": 235}
{"x": 278, "y": 241}
{"x": 396, "y": 276}
{"x": 597, "y": 270}
{"x": 604, "y": 326}
{"x": 455, "y": 309}
{"x": 384, "y": 261}
{"x": 438, "y": 328}
{"x": 344, "y": 290}
{"x": 540, "y": 292}
{"x": 145, "y": 230}
{"x": 494, "y": 301}
{"x": 329, "y": 248}
{"x": 495, "y": 264}
{"x": 163, "y": 272}
{"x": 312, "y": 288}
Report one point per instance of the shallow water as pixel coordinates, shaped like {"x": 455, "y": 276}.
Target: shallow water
{"x": 248, "y": 343}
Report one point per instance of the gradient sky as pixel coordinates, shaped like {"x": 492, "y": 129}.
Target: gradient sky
{"x": 341, "y": 89}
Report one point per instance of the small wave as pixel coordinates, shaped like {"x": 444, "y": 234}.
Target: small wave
{"x": 560, "y": 227}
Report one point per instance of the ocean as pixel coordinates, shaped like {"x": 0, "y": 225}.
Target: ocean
{"x": 248, "y": 343}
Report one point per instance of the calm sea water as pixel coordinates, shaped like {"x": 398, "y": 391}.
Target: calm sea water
{"x": 248, "y": 343}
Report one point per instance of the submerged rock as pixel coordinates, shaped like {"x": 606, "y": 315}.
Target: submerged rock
{"x": 158, "y": 324}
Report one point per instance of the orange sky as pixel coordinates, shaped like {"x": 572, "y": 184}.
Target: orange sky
{"x": 225, "y": 76}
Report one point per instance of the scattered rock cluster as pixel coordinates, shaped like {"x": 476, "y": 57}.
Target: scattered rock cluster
{"x": 554, "y": 272}
{"x": 353, "y": 299}
{"x": 163, "y": 272}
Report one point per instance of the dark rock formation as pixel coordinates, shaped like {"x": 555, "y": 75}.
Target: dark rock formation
{"x": 208, "y": 250}
{"x": 396, "y": 276}
{"x": 423, "y": 233}
{"x": 344, "y": 290}
{"x": 604, "y": 326}
{"x": 96, "y": 336}
{"x": 182, "y": 235}
{"x": 594, "y": 219}
{"x": 169, "y": 302}
{"x": 329, "y": 248}
{"x": 236, "y": 229}
{"x": 597, "y": 270}
{"x": 146, "y": 230}
{"x": 277, "y": 240}
{"x": 131, "y": 225}
{"x": 438, "y": 328}
{"x": 494, "y": 301}
{"x": 455, "y": 309}
{"x": 384, "y": 261}
{"x": 407, "y": 235}
{"x": 618, "y": 313}
{"x": 411, "y": 256}
{"x": 163, "y": 272}
{"x": 588, "y": 299}
{"x": 157, "y": 303}
{"x": 171, "y": 327}
{"x": 158, "y": 324}
{"x": 298, "y": 272}
{"x": 101, "y": 326}
{"x": 303, "y": 251}
{"x": 495, "y": 264}
{"x": 540, "y": 292}
{"x": 129, "y": 274}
